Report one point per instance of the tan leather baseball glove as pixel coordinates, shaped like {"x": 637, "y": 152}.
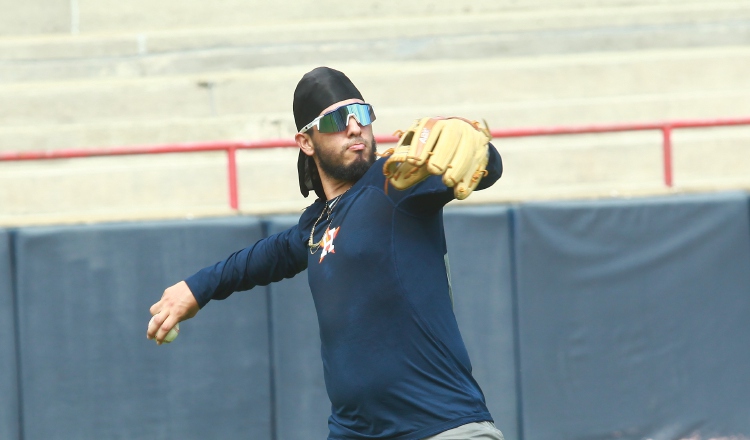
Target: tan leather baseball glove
{"x": 453, "y": 147}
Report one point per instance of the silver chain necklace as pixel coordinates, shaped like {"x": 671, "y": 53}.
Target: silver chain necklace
{"x": 328, "y": 208}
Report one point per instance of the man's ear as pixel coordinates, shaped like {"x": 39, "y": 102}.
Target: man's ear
{"x": 304, "y": 142}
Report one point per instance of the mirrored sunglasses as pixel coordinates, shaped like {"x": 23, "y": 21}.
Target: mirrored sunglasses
{"x": 336, "y": 120}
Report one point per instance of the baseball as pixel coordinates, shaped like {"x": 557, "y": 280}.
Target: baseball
{"x": 172, "y": 333}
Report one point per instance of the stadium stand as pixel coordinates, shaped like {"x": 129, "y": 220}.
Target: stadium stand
{"x": 103, "y": 74}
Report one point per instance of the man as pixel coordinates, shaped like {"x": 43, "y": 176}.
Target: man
{"x": 394, "y": 362}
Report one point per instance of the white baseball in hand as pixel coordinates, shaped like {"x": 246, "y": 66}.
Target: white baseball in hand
{"x": 172, "y": 333}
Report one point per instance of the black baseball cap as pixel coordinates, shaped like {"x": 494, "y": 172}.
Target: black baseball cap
{"x": 317, "y": 90}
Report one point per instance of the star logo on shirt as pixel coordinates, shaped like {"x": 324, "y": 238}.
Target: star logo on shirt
{"x": 327, "y": 242}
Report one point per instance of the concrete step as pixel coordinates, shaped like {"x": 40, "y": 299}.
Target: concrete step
{"x": 712, "y": 158}
{"x": 519, "y": 33}
{"x": 195, "y": 184}
{"x": 83, "y": 16}
{"x": 110, "y": 15}
{"x": 425, "y": 84}
{"x": 35, "y": 17}
{"x": 280, "y": 125}
{"x": 159, "y": 131}
{"x": 130, "y": 42}
{"x": 99, "y": 189}
{"x": 620, "y": 165}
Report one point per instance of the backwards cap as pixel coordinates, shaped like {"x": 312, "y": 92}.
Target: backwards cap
{"x": 316, "y": 91}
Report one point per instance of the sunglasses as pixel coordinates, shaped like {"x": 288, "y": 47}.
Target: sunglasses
{"x": 336, "y": 120}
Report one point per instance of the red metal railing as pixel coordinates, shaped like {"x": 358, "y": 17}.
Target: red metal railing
{"x": 231, "y": 147}
{"x": 665, "y": 127}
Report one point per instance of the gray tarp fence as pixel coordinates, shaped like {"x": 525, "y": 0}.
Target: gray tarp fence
{"x": 634, "y": 318}
{"x": 625, "y": 319}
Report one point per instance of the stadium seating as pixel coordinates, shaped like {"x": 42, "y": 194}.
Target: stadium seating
{"x": 101, "y": 74}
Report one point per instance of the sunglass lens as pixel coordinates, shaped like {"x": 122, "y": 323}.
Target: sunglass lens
{"x": 363, "y": 113}
{"x": 332, "y": 122}
{"x": 338, "y": 119}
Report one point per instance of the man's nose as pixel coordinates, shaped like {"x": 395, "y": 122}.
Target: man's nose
{"x": 353, "y": 127}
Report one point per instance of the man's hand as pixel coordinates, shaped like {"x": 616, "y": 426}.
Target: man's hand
{"x": 176, "y": 304}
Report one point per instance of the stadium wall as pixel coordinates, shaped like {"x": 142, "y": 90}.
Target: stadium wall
{"x": 584, "y": 319}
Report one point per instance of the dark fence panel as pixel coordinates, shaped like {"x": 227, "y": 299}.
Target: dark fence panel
{"x": 479, "y": 252}
{"x": 9, "y": 411}
{"x": 633, "y": 318}
{"x": 630, "y": 318}
{"x": 88, "y": 369}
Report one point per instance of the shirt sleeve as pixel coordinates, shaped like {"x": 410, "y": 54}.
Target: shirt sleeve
{"x": 429, "y": 196}
{"x": 274, "y": 258}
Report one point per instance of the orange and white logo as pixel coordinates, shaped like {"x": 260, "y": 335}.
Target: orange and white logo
{"x": 327, "y": 242}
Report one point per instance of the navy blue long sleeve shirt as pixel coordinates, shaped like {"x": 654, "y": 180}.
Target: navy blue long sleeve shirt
{"x": 395, "y": 365}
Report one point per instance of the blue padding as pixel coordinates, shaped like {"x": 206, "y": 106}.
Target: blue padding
{"x": 479, "y": 248}
{"x": 302, "y": 406}
{"x": 88, "y": 370}
{"x": 9, "y": 414}
{"x": 634, "y": 318}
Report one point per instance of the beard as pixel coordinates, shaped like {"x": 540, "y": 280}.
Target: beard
{"x": 331, "y": 162}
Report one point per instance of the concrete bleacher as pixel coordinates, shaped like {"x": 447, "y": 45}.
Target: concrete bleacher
{"x": 98, "y": 74}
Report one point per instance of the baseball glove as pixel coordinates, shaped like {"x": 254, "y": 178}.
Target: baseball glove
{"x": 455, "y": 148}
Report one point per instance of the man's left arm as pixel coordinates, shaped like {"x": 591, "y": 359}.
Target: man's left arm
{"x": 431, "y": 195}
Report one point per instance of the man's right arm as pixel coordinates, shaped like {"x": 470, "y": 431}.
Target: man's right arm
{"x": 274, "y": 258}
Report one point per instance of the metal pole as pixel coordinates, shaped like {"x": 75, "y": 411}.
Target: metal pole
{"x": 667, "y": 150}
{"x": 232, "y": 173}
